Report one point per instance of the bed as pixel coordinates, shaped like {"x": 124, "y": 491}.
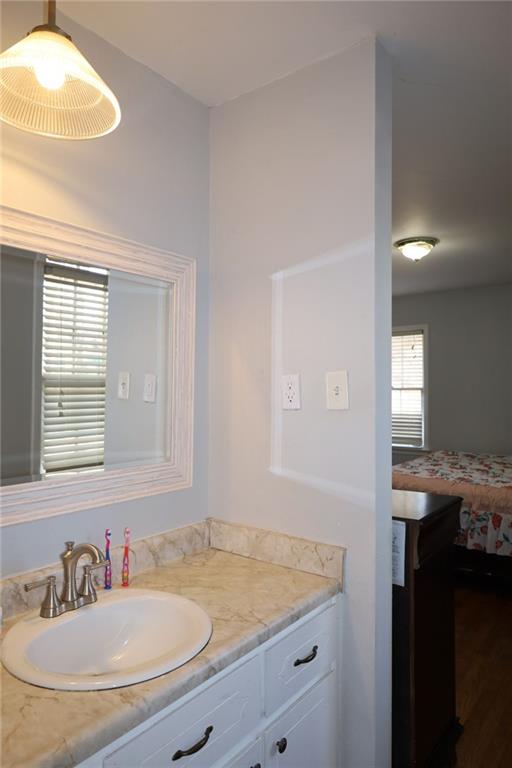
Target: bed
{"x": 485, "y": 483}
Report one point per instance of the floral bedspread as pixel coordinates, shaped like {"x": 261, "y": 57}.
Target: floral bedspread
{"x": 485, "y": 483}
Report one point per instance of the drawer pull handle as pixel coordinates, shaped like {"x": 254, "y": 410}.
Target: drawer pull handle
{"x": 281, "y": 745}
{"x": 307, "y": 659}
{"x": 192, "y": 750}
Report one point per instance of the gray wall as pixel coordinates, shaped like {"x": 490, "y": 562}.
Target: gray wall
{"x": 469, "y": 365}
{"x": 21, "y": 279}
{"x": 301, "y": 185}
{"x": 147, "y": 181}
{"x": 138, "y": 337}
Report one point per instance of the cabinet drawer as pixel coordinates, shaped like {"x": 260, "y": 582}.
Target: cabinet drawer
{"x": 252, "y": 757}
{"x": 301, "y": 658}
{"x": 230, "y": 708}
{"x": 305, "y": 736}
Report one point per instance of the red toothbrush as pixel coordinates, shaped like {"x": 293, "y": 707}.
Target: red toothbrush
{"x": 126, "y": 559}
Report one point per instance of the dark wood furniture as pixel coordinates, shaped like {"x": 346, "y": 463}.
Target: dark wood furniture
{"x": 425, "y": 724}
{"x": 484, "y": 570}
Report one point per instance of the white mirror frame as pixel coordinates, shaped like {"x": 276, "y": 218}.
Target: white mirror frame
{"x": 58, "y": 496}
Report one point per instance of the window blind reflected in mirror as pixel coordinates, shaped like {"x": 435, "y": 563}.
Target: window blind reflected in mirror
{"x": 74, "y": 361}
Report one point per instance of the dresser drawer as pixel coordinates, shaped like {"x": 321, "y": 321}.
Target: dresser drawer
{"x": 215, "y": 720}
{"x": 300, "y": 659}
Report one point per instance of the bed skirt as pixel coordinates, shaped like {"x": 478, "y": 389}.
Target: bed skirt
{"x": 485, "y": 483}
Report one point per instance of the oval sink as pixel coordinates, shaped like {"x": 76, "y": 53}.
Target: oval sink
{"x": 126, "y": 637}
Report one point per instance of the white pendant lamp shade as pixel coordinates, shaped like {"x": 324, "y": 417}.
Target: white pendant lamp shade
{"x": 48, "y": 87}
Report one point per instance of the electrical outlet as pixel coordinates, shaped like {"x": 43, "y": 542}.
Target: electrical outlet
{"x": 337, "y": 390}
{"x": 290, "y": 391}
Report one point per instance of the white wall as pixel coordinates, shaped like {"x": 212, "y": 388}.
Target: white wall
{"x": 469, "y": 365}
{"x": 147, "y": 181}
{"x": 301, "y": 185}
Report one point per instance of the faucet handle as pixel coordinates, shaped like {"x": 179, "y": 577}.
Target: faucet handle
{"x": 87, "y": 589}
{"x": 41, "y": 583}
{"x": 51, "y": 605}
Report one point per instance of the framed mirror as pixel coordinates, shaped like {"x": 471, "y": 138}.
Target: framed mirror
{"x": 97, "y": 352}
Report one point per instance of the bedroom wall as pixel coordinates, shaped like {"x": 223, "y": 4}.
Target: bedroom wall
{"x": 147, "y": 181}
{"x": 301, "y": 283}
{"x": 469, "y": 365}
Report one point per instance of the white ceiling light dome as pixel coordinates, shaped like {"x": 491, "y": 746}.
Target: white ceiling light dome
{"x": 415, "y": 248}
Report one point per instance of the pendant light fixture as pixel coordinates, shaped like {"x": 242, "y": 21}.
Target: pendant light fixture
{"x": 47, "y": 87}
{"x": 415, "y": 248}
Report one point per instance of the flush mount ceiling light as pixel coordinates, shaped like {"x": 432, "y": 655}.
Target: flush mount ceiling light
{"x": 415, "y": 248}
{"x": 47, "y": 87}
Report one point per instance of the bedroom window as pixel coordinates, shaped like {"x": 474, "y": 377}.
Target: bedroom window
{"x": 75, "y": 312}
{"x": 408, "y": 387}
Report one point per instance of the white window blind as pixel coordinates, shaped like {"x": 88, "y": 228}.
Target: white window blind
{"x": 408, "y": 396}
{"x": 75, "y": 313}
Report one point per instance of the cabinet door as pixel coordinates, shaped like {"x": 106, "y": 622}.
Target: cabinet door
{"x": 252, "y": 757}
{"x": 202, "y": 731}
{"x": 306, "y": 735}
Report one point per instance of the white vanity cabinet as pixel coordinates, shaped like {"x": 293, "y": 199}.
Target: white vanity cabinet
{"x": 277, "y": 707}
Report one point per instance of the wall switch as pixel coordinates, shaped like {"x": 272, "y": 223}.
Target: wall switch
{"x": 337, "y": 390}
{"x": 290, "y": 392}
{"x": 123, "y": 385}
{"x": 149, "y": 388}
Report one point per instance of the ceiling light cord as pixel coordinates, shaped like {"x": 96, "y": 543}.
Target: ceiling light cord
{"x": 51, "y": 24}
{"x": 52, "y": 13}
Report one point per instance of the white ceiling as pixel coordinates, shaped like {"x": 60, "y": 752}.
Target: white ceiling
{"x": 452, "y": 142}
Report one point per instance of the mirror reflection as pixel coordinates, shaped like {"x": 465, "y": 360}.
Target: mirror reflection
{"x": 85, "y": 377}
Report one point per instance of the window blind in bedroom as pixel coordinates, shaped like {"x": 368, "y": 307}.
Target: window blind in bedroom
{"x": 75, "y": 312}
{"x": 408, "y": 393}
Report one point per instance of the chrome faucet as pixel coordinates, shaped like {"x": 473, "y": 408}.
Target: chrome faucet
{"x": 71, "y": 597}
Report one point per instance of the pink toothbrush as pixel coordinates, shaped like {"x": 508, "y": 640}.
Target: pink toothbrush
{"x": 126, "y": 558}
{"x": 108, "y": 567}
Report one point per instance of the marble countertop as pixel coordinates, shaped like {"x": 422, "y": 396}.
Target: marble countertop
{"x": 248, "y": 601}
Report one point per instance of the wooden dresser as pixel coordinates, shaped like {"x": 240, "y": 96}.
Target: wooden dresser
{"x": 425, "y": 724}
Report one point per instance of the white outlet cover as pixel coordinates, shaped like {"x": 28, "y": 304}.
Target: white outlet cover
{"x": 336, "y": 390}
{"x": 290, "y": 392}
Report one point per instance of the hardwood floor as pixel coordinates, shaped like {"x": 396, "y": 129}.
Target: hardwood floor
{"x": 484, "y": 678}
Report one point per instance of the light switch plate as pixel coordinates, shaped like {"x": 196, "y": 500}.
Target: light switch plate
{"x": 123, "y": 385}
{"x": 290, "y": 392}
{"x": 149, "y": 388}
{"x": 337, "y": 390}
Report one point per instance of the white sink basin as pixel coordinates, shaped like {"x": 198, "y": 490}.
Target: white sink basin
{"x": 128, "y": 636}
